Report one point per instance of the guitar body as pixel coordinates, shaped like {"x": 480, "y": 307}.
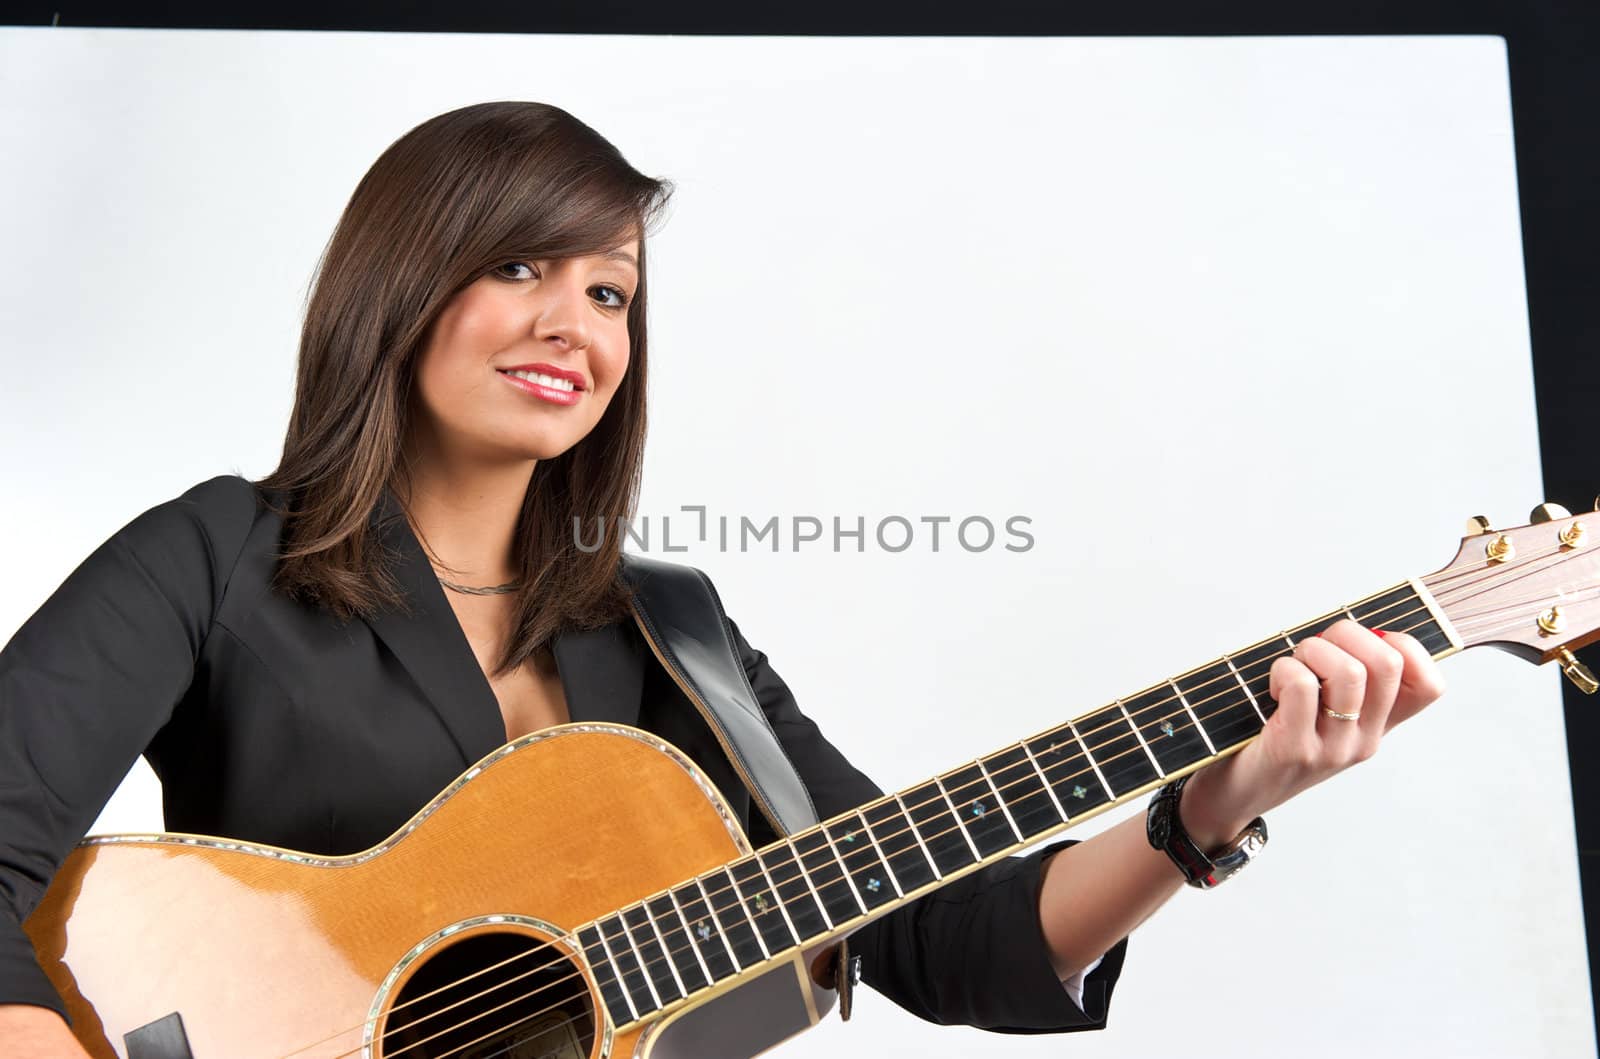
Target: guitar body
{"x": 409, "y": 948}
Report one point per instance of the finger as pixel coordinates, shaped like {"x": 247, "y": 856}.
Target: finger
{"x": 1294, "y": 687}
{"x": 1384, "y": 665}
{"x": 1420, "y": 681}
{"x": 1344, "y": 689}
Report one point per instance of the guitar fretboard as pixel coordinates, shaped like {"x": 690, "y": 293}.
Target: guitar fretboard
{"x": 858, "y": 866}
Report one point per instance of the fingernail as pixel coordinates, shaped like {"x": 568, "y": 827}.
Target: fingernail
{"x": 1317, "y": 634}
{"x": 1380, "y": 632}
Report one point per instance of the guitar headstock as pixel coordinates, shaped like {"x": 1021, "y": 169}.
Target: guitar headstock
{"x": 1533, "y": 590}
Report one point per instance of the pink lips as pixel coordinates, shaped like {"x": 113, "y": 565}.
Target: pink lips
{"x": 546, "y": 393}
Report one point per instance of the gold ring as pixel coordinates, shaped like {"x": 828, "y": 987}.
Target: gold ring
{"x": 1336, "y": 715}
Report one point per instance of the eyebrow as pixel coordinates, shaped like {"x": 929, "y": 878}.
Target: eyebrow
{"x": 621, "y": 255}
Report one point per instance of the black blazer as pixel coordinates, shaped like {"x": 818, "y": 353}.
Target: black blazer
{"x": 270, "y": 721}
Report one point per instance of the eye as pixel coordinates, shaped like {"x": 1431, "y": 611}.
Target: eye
{"x": 505, "y": 271}
{"x": 500, "y": 269}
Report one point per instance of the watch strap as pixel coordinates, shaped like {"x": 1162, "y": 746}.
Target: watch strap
{"x": 1164, "y": 829}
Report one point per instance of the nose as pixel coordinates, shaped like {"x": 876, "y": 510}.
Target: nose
{"x": 563, "y": 314}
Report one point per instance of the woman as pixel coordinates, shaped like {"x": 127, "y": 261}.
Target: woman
{"x": 295, "y": 656}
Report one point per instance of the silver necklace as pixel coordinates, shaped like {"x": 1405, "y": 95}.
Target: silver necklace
{"x": 490, "y": 590}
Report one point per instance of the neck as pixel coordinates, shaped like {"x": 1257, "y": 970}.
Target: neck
{"x": 465, "y": 513}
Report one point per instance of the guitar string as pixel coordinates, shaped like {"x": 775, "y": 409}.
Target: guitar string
{"x": 576, "y": 973}
{"x": 956, "y": 792}
{"x": 1436, "y": 581}
{"x": 543, "y": 988}
{"x": 778, "y": 887}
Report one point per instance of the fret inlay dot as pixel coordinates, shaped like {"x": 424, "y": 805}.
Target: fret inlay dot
{"x": 1079, "y": 793}
{"x": 874, "y": 885}
{"x": 1167, "y": 729}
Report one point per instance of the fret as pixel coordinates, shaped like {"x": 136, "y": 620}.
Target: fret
{"x": 606, "y": 976}
{"x": 1114, "y": 746}
{"x": 1029, "y": 802}
{"x": 961, "y": 825}
{"x": 634, "y": 985}
{"x": 1313, "y": 627}
{"x": 1403, "y": 610}
{"x": 1001, "y": 802}
{"x": 683, "y": 954}
{"x": 696, "y": 908}
{"x": 649, "y": 968}
{"x": 782, "y": 867}
{"x": 1240, "y": 678}
{"x": 1169, "y": 735}
{"x": 875, "y": 882}
{"x": 727, "y": 909}
{"x": 773, "y": 928}
{"x": 829, "y": 882}
{"x": 1221, "y": 704}
{"x": 1067, "y": 768}
{"x": 1397, "y": 608}
{"x": 1044, "y": 785}
{"x": 653, "y": 954}
{"x": 696, "y": 941}
{"x": 1143, "y": 742}
{"x": 1183, "y": 700}
{"x": 911, "y": 829}
{"x": 850, "y": 826}
{"x": 1346, "y": 612}
{"x": 934, "y": 823}
{"x": 980, "y": 810}
{"x": 909, "y": 862}
{"x": 811, "y": 885}
{"x": 1254, "y": 666}
{"x": 1093, "y": 764}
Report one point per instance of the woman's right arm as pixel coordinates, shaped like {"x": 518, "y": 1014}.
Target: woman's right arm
{"x": 85, "y": 685}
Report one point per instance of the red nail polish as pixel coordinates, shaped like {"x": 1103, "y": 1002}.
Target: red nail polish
{"x": 1317, "y": 634}
{"x": 1380, "y": 632}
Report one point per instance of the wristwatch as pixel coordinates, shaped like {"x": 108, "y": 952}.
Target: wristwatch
{"x": 1166, "y": 833}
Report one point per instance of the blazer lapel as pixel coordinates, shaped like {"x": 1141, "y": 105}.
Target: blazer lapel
{"x": 602, "y": 670}
{"x": 430, "y": 644}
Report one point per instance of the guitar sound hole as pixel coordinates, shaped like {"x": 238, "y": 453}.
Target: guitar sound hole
{"x": 494, "y": 994}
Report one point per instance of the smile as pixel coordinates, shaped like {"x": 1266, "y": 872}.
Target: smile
{"x": 544, "y": 380}
{"x": 544, "y": 387}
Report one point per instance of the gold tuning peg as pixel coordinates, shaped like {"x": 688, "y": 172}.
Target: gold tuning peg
{"x": 1577, "y": 672}
{"x": 1548, "y": 513}
{"x": 1478, "y": 524}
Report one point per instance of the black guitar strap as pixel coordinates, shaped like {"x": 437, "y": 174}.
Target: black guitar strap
{"x": 678, "y": 608}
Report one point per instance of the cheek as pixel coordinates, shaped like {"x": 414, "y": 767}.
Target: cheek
{"x": 613, "y": 368}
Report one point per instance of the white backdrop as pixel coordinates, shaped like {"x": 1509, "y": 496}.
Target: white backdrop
{"x": 1238, "y": 324}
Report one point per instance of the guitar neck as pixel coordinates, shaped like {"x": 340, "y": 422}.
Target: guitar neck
{"x": 823, "y": 882}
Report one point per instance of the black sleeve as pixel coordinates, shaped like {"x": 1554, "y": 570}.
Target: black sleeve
{"x": 89, "y": 679}
{"x": 970, "y": 953}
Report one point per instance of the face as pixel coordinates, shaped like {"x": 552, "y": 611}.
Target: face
{"x": 522, "y": 363}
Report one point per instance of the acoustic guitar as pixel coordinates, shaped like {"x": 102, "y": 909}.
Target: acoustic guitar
{"x": 631, "y": 917}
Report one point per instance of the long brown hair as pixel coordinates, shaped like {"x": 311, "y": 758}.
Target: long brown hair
{"x": 445, "y": 203}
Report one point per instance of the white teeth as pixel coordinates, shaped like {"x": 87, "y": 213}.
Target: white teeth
{"x": 544, "y": 380}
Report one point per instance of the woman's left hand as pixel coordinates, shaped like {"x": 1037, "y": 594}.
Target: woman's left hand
{"x": 1382, "y": 679}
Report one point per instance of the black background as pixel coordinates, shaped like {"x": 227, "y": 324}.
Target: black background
{"x": 1554, "y": 50}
